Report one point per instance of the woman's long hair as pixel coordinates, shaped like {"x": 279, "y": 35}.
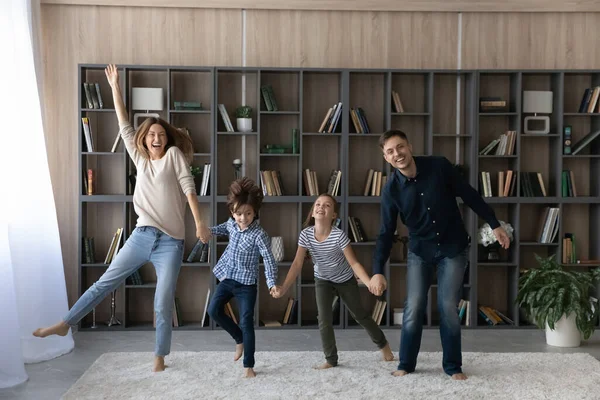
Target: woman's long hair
{"x": 175, "y": 137}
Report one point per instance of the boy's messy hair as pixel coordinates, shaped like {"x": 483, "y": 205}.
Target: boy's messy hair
{"x": 310, "y": 221}
{"x": 244, "y": 191}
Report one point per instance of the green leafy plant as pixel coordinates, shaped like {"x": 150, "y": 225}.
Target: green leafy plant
{"x": 195, "y": 170}
{"x": 549, "y": 292}
{"x": 243, "y": 112}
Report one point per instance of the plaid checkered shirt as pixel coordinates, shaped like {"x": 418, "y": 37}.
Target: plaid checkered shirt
{"x": 240, "y": 259}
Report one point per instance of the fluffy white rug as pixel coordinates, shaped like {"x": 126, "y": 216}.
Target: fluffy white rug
{"x": 360, "y": 375}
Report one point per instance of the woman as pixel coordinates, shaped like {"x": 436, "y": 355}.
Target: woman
{"x": 161, "y": 154}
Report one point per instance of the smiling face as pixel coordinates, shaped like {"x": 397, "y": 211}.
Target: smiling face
{"x": 324, "y": 210}
{"x": 398, "y": 152}
{"x": 243, "y": 216}
{"x": 156, "y": 141}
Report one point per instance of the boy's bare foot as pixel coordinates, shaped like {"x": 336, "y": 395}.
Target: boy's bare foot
{"x": 459, "y": 377}
{"x": 61, "y": 329}
{"x": 159, "y": 364}
{"x": 249, "y": 373}
{"x": 400, "y": 372}
{"x": 324, "y": 366}
{"x": 239, "y": 350}
{"x": 387, "y": 353}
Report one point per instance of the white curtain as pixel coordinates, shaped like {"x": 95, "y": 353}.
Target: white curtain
{"x": 33, "y": 255}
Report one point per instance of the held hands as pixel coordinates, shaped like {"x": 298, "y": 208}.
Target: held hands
{"x": 502, "y": 237}
{"x": 112, "y": 74}
{"x": 277, "y": 291}
{"x": 203, "y": 233}
{"x": 377, "y": 285}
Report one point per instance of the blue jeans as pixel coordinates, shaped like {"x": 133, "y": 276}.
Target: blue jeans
{"x": 245, "y": 296}
{"x": 418, "y": 280}
{"x": 146, "y": 244}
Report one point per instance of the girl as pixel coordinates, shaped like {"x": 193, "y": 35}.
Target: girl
{"x": 334, "y": 267}
{"x": 161, "y": 154}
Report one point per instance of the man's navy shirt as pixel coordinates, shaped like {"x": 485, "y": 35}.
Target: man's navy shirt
{"x": 427, "y": 207}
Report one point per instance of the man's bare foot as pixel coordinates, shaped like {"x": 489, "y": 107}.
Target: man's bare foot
{"x": 239, "y": 350}
{"x": 324, "y": 366}
{"x": 459, "y": 377}
{"x": 159, "y": 364}
{"x": 61, "y": 329}
{"x": 400, "y": 372}
{"x": 249, "y": 373}
{"x": 387, "y": 353}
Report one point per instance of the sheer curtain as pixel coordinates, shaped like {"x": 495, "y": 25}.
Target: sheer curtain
{"x": 32, "y": 253}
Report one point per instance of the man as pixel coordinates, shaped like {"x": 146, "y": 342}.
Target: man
{"x": 423, "y": 191}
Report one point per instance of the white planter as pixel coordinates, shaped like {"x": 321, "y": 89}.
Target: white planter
{"x": 244, "y": 124}
{"x": 565, "y": 333}
{"x": 277, "y": 248}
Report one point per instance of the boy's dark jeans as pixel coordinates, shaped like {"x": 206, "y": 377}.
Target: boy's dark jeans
{"x": 245, "y": 296}
{"x": 349, "y": 293}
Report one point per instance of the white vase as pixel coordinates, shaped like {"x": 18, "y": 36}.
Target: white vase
{"x": 244, "y": 124}
{"x": 565, "y": 333}
{"x": 277, "y": 248}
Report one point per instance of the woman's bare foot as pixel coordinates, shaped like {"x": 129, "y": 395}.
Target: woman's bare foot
{"x": 249, "y": 373}
{"x": 239, "y": 350}
{"x": 459, "y": 377}
{"x": 324, "y": 366}
{"x": 400, "y": 372}
{"x": 159, "y": 364}
{"x": 60, "y": 329}
{"x": 387, "y": 353}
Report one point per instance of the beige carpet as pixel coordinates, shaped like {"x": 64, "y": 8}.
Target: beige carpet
{"x": 360, "y": 375}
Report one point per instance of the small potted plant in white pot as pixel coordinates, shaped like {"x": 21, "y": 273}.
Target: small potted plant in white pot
{"x": 559, "y": 301}
{"x": 244, "y": 118}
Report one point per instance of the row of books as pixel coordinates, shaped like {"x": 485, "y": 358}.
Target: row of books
{"x": 93, "y": 96}
{"x": 374, "y": 182}
{"x": 331, "y": 120}
{"x": 205, "y": 181}
{"x": 359, "y": 119}
{"x": 268, "y": 97}
{"x": 569, "y": 252}
{"x": 548, "y": 225}
{"x": 356, "y": 232}
{"x": 589, "y": 101}
{"x": 113, "y": 249}
{"x": 568, "y": 188}
{"x": 503, "y": 146}
{"x": 271, "y": 183}
{"x": 311, "y": 183}
{"x": 505, "y": 183}
{"x": 378, "y": 310}
{"x": 89, "y": 136}
{"x": 200, "y": 251}
{"x": 396, "y": 102}
{"x": 225, "y": 118}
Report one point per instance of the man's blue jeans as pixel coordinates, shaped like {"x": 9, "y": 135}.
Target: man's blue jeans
{"x": 245, "y": 296}
{"x": 146, "y": 244}
{"x": 418, "y": 280}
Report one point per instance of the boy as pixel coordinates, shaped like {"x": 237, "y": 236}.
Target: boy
{"x": 237, "y": 269}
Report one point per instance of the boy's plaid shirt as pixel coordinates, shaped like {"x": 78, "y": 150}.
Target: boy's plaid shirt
{"x": 240, "y": 259}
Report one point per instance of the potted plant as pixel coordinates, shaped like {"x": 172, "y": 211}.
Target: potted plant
{"x": 244, "y": 118}
{"x": 558, "y": 301}
{"x": 197, "y": 174}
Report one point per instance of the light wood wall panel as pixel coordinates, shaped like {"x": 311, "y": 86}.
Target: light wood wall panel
{"x": 530, "y": 41}
{"x": 361, "y": 5}
{"x": 88, "y": 34}
{"x": 351, "y": 39}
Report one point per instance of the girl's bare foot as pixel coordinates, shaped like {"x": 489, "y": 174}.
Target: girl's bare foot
{"x": 61, "y": 329}
{"x": 387, "y": 353}
{"x": 324, "y": 366}
{"x": 239, "y": 350}
{"x": 459, "y": 377}
{"x": 159, "y": 364}
{"x": 400, "y": 372}
{"x": 249, "y": 373}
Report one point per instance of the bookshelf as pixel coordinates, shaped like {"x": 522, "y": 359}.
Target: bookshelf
{"x": 441, "y": 115}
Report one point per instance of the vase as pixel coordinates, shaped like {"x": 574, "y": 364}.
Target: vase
{"x": 277, "y": 248}
{"x": 244, "y": 124}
